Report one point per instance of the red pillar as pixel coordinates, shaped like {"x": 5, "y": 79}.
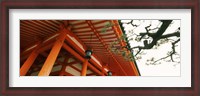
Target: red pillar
{"x": 84, "y": 68}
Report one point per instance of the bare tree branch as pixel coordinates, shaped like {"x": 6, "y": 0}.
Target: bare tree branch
{"x": 170, "y": 54}
{"x": 156, "y": 36}
{"x": 177, "y": 34}
{"x": 152, "y": 37}
{"x": 131, "y": 22}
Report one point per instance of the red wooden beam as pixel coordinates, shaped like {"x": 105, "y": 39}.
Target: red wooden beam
{"x": 45, "y": 48}
{"x": 44, "y": 25}
{"x": 49, "y": 22}
{"x": 80, "y": 28}
{"x": 75, "y": 31}
{"x": 77, "y": 56}
{"x": 112, "y": 37}
{"x": 106, "y": 47}
{"x": 40, "y": 50}
{"x": 80, "y": 48}
{"x": 76, "y": 24}
{"x": 47, "y": 67}
{"x": 84, "y": 68}
{"x": 28, "y": 63}
{"x": 33, "y": 29}
{"x": 38, "y": 24}
{"x": 101, "y": 21}
{"x": 46, "y": 44}
{"x": 96, "y": 23}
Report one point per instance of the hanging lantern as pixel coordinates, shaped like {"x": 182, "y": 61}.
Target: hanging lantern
{"x": 109, "y": 73}
{"x": 88, "y": 54}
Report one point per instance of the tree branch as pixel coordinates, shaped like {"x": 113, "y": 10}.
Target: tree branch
{"x": 156, "y": 36}
{"x": 177, "y": 34}
{"x": 170, "y": 54}
{"x": 131, "y": 22}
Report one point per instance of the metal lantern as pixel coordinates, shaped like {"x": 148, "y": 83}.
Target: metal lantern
{"x": 109, "y": 73}
{"x": 88, "y": 54}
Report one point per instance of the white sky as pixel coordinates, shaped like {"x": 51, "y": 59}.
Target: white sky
{"x": 165, "y": 68}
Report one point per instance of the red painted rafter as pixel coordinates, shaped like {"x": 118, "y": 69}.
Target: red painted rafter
{"x": 91, "y": 31}
{"x": 106, "y": 34}
{"x": 77, "y": 56}
{"x": 49, "y": 24}
{"x": 29, "y": 32}
{"x": 96, "y": 23}
{"x": 35, "y": 27}
{"x": 113, "y": 37}
{"x": 84, "y": 27}
{"x": 81, "y": 51}
{"x": 75, "y": 31}
{"x": 110, "y": 40}
{"x": 87, "y": 40}
{"x": 58, "y": 22}
{"x": 79, "y": 23}
{"x": 101, "y": 21}
{"x": 52, "y": 24}
{"x": 84, "y": 34}
{"x": 28, "y": 28}
{"x": 106, "y": 47}
{"x": 45, "y": 25}
{"x": 41, "y": 25}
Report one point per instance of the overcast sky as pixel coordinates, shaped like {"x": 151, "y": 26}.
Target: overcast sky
{"x": 164, "y": 68}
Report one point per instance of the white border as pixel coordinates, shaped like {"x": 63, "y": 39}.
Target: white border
{"x": 124, "y": 81}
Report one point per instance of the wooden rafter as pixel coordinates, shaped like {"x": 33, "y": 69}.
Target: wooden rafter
{"x": 105, "y": 46}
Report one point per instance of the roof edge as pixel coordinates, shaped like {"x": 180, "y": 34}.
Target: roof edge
{"x": 128, "y": 44}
